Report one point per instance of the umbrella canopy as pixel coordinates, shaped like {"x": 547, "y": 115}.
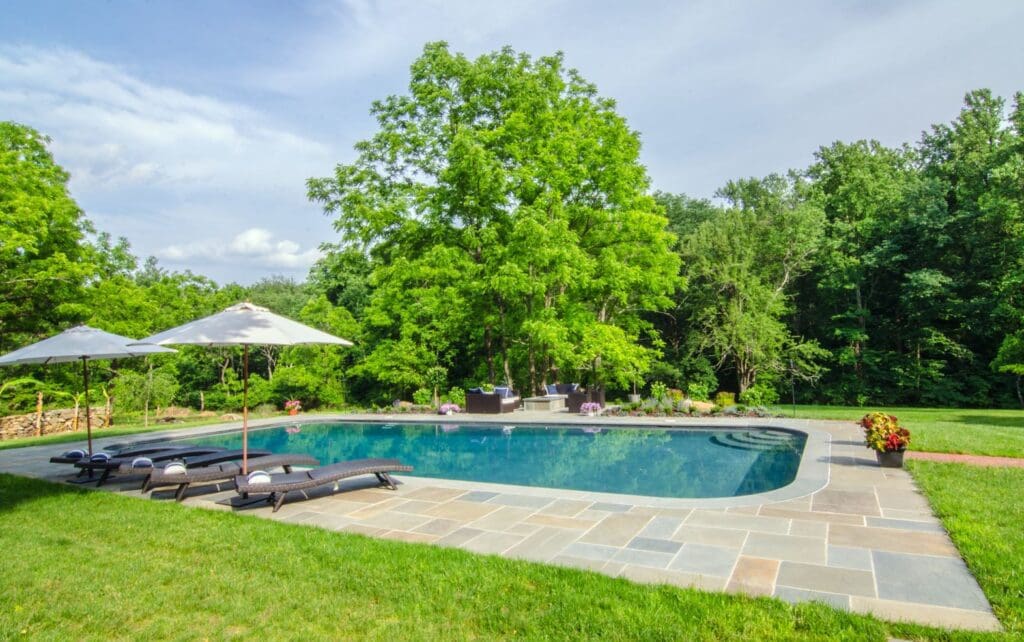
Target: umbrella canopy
{"x": 243, "y": 325}
{"x": 84, "y": 344}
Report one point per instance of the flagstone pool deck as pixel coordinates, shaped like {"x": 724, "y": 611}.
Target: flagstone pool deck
{"x": 846, "y": 532}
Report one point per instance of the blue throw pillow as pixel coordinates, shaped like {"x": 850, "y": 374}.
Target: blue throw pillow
{"x": 475, "y": 391}
{"x": 501, "y": 391}
{"x": 552, "y": 389}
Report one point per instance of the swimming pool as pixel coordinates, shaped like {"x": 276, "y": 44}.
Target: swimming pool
{"x": 681, "y": 463}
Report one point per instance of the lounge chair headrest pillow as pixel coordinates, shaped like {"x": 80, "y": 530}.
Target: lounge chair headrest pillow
{"x": 74, "y": 454}
{"x": 142, "y": 462}
{"x": 258, "y": 477}
{"x": 552, "y": 389}
{"x": 100, "y": 456}
{"x": 175, "y": 468}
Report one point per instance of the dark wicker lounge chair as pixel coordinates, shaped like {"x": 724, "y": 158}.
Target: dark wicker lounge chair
{"x": 195, "y": 461}
{"x": 137, "y": 451}
{"x": 281, "y": 484}
{"x": 114, "y": 464}
{"x": 222, "y": 472}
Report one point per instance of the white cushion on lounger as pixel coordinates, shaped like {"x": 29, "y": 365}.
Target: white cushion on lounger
{"x": 175, "y": 468}
{"x": 142, "y": 462}
{"x": 100, "y": 456}
{"x": 259, "y": 477}
{"x": 74, "y": 454}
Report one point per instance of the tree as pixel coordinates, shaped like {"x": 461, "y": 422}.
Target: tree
{"x": 741, "y": 265}
{"x": 507, "y": 220}
{"x": 1010, "y": 359}
{"x": 43, "y": 258}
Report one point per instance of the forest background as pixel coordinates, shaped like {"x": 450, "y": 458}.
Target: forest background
{"x": 499, "y": 227}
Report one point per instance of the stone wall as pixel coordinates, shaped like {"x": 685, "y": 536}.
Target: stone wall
{"x": 54, "y": 421}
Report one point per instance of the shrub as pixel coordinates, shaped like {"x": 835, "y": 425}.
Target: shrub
{"x": 675, "y": 394}
{"x": 723, "y": 399}
{"x": 760, "y": 394}
{"x": 698, "y": 391}
{"x": 457, "y": 396}
{"x": 658, "y": 390}
{"x": 422, "y": 397}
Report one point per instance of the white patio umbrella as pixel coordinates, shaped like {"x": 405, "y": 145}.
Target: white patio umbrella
{"x": 84, "y": 344}
{"x": 243, "y": 325}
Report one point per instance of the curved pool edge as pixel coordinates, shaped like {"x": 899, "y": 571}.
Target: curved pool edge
{"x": 812, "y": 474}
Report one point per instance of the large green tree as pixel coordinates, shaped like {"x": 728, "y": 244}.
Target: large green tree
{"x": 509, "y": 225}
{"x": 43, "y": 257}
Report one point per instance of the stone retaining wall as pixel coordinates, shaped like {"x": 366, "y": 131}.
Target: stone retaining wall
{"x": 54, "y": 421}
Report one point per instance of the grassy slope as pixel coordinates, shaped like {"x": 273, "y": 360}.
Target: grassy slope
{"x": 943, "y": 430}
{"x": 983, "y": 510}
{"x": 93, "y": 565}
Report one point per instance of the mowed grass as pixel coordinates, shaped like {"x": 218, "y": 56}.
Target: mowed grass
{"x": 983, "y": 511}
{"x": 942, "y": 430}
{"x": 84, "y": 565}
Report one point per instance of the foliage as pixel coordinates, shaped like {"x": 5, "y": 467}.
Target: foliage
{"x": 423, "y": 397}
{"x": 457, "y": 396}
{"x": 884, "y": 433}
{"x": 659, "y": 390}
{"x": 506, "y": 218}
{"x": 759, "y": 394}
{"x": 588, "y": 407}
{"x": 698, "y": 391}
{"x": 134, "y": 391}
{"x": 447, "y": 408}
{"x": 293, "y": 404}
{"x": 725, "y": 399}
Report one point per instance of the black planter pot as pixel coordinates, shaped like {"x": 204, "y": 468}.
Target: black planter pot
{"x": 890, "y": 459}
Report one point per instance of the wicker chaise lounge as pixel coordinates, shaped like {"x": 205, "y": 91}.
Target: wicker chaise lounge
{"x": 281, "y": 484}
{"x": 76, "y": 456}
{"x": 222, "y": 472}
{"x": 115, "y": 464}
{"x": 193, "y": 461}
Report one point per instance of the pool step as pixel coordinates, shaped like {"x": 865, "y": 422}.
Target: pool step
{"x": 761, "y": 440}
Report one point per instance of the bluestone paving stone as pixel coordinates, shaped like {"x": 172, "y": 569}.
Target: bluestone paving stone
{"x": 705, "y": 560}
{"x": 616, "y": 529}
{"x": 590, "y": 551}
{"x": 478, "y": 496}
{"x": 942, "y": 616}
{"x": 494, "y": 543}
{"x": 656, "y": 545}
{"x": 905, "y": 524}
{"x": 740, "y": 522}
{"x": 785, "y": 547}
{"x": 942, "y": 581}
{"x": 713, "y": 536}
{"x": 826, "y": 578}
{"x": 849, "y": 557}
{"x": 643, "y": 558}
{"x": 887, "y": 539}
{"x": 526, "y": 501}
{"x": 611, "y": 508}
{"x": 662, "y": 527}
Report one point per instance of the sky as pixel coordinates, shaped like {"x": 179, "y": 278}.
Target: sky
{"x": 190, "y": 127}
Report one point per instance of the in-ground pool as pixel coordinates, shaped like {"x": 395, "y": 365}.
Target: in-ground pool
{"x": 683, "y": 462}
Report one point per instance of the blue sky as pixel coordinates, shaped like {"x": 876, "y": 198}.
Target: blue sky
{"x": 190, "y": 127}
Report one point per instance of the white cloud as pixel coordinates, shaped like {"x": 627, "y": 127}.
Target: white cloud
{"x": 254, "y": 246}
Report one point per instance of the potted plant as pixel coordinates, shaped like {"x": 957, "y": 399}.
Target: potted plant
{"x": 886, "y": 437}
{"x": 590, "y": 408}
{"x": 449, "y": 409}
{"x": 293, "y": 406}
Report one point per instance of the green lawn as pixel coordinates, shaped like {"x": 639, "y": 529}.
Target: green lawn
{"x": 82, "y": 564}
{"x": 983, "y": 510}
{"x": 942, "y": 430}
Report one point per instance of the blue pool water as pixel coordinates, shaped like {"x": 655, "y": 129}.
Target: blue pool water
{"x": 658, "y": 463}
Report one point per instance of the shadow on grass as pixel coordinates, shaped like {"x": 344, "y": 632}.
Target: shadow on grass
{"x": 15, "y": 490}
{"x": 985, "y": 420}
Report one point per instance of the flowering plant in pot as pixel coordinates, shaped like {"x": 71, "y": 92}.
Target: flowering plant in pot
{"x": 449, "y": 409}
{"x": 590, "y": 408}
{"x": 293, "y": 406}
{"x": 884, "y": 434}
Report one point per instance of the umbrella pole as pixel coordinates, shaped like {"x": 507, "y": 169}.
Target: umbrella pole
{"x": 245, "y": 409}
{"x": 88, "y": 421}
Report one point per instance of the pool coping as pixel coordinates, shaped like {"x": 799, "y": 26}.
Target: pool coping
{"x": 812, "y": 474}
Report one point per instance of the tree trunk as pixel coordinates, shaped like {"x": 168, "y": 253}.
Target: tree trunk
{"x": 74, "y": 421}
{"x": 490, "y": 354}
{"x": 532, "y": 365}
{"x": 39, "y": 412}
{"x": 1020, "y": 393}
{"x": 202, "y": 401}
{"x": 858, "y": 345}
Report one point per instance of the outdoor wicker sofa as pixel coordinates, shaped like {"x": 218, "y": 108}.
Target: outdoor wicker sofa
{"x": 491, "y": 403}
{"x": 127, "y": 464}
{"x": 222, "y": 472}
{"x": 280, "y": 484}
{"x": 578, "y": 398}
